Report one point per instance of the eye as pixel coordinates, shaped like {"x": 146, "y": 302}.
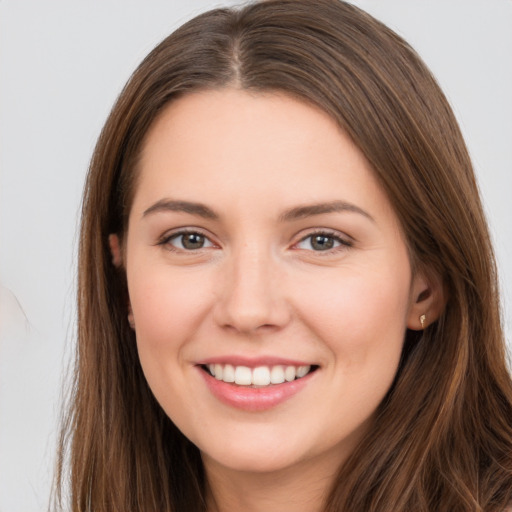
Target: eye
{"x": 322, "y": 242}
{"x": 188, "y": 241}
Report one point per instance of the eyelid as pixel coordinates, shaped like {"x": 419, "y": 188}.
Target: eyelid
{"x": 176, "y": 232}
{"x": 345, "y": 240}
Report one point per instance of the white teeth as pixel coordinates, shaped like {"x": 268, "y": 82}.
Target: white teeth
{"x": 243, "y": 376}
{"x": 259, "y": 376}
{"x": 289, "y": 373}
{"x": 302, "y": 371}
{"x": 218, "y": 371}
{"x": 229, "y": 373}
{"x": 277, "y": 375}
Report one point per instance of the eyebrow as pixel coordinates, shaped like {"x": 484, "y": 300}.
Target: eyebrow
{"x": 170, "y": 205}
{"x": 300, "y": 212}
{"x": 295, "y": 213}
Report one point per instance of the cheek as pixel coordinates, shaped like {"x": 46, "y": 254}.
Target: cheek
{"x": 167, "y": 307}
{"x": 360, "y": 316}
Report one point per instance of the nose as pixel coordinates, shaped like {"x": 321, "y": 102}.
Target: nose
{"x": 252, "y": 297}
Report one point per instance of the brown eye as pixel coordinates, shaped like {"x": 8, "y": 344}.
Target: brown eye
{"x": 322, "y": 242}
{"x": 189, "y": 241}
{"x": 192, "y": 241}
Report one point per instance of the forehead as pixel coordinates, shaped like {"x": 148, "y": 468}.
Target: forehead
{"x": 236, "y": 146}
{"x": 229, "y": 119}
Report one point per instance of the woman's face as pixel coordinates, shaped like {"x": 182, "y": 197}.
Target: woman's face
{"x": 261, "y": 249}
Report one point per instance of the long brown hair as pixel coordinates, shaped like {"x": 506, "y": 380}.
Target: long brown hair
{"x": 442, "y": 438}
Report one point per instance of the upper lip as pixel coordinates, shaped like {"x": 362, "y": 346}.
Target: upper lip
{"x": 253, "y": 362}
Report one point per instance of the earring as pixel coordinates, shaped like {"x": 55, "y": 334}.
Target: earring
{"x": 422, "y": 321}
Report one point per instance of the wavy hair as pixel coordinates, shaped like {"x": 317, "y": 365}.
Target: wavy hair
{"x": 442, "y": 438}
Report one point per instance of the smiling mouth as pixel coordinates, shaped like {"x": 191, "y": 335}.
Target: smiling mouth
{"x": 261, "y": 376}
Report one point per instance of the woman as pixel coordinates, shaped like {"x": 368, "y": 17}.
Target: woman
{"x": 287, "y": 295}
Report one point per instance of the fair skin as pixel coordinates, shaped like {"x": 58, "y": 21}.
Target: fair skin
{"x": 292, "y": 256}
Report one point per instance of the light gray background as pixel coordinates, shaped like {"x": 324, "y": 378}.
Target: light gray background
{"x": 62, "y": 64}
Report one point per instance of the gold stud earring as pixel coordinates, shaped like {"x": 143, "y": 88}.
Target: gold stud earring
{"x": 422, "y": 321}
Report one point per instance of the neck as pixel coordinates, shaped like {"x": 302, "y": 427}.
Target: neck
{"x": 303, "y": 488}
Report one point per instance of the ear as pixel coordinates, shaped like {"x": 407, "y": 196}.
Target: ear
{"x": 131, "y": 319}
{"x": 117, "y": 260}
{"x": 115, "y": 250}
{"x": 427, "y": 298}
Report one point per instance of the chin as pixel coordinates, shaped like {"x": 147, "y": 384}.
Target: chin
{"x": 252, "y": 460}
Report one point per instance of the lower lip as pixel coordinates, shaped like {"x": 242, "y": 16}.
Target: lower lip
{"x": 254, "y": 399}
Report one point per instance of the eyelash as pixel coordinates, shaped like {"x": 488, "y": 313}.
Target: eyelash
{"x": 166, "y": 240}
{"x": 343, "y": 243}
